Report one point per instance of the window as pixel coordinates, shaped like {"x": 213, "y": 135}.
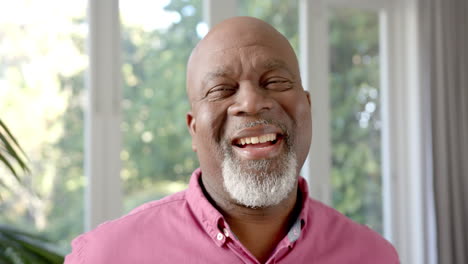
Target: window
{"x": 157, "y": 158}
{"x": 42, "y": 64}
{"x": 355, "y": 121}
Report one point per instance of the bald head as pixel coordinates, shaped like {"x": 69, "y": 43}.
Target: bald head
{"x": 239, "y": 31}
{"x": 236, "y": 33}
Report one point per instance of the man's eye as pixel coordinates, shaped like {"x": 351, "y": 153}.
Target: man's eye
{"x": 278, "y": 84}
{"x": 220, "y": 92}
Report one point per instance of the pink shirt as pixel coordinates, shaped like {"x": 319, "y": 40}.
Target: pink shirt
{"x": 186, "y": 228}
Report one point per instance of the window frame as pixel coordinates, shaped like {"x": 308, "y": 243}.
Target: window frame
{"x": 103, "y": 192}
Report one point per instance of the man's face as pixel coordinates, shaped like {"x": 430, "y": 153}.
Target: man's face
{"x": 250, "y": 114}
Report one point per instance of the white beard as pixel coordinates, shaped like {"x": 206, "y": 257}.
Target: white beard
{"x": 259, "y": 183}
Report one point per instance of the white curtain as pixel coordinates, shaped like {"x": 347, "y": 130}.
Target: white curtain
{"x": 444, "y": 56}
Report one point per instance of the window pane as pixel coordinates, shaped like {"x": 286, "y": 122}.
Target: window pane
{"x": 283, "y": 15}
{"x": 158, "y": 37}
{"x": 42, "y": 60}
{"x": 355, "y": 115}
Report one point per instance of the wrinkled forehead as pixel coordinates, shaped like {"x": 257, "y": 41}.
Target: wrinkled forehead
{"x": 242, "y": 62}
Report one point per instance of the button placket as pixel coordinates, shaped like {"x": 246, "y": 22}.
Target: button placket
{"x": 244, "y": 255}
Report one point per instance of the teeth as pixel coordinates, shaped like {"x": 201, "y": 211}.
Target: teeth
{"x": 256, "y": 140}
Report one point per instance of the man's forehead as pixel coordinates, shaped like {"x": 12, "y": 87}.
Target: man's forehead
{"x": 227, "y": 70}
{"x": 250, "y": 40}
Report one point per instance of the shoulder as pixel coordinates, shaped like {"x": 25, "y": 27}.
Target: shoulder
{"x": 341, "y": 235}
{"x": 165, "y": 203}
{"x": 146, "y": 214}
{"x": 146, "y": 222}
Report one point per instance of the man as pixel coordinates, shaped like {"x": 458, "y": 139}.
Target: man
{"x": 250, "y": 122}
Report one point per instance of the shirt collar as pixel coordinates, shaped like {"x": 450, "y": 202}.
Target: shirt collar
{"x": 296, "y": 229}
{"x": 213, "y": 221}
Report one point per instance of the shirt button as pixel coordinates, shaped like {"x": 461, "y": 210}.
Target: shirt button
{"x": 226, "y": 232}
{"x": 220, "y": 236}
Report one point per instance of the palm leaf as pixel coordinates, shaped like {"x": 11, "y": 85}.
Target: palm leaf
{"x": 19, "y": 247}
{"x": 10, "y": 147}
{"x": 11, "y": 136}
{"x": 23, "y": 247}
{"x": 9, "y": 166}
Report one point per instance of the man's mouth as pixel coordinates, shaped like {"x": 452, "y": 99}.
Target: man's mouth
{"x": 257, "y": 141}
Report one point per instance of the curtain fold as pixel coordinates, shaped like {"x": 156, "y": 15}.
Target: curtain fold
{"x": 444, "y": 69}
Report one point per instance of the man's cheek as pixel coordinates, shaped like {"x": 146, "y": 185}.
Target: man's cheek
{"x": 215, "y": 124}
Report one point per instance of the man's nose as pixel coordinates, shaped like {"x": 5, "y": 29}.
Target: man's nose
{"x": 251, "y": 99}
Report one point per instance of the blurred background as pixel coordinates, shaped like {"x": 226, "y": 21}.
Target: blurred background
{"x": 44, "y": 97}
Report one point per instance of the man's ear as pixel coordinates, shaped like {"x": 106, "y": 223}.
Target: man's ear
{"x": 308, "y": 97}
{"x": 192, "y": 128}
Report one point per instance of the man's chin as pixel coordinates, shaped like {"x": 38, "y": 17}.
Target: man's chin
{"x": 259, "y": 167}
{"x": 260, "y": 183}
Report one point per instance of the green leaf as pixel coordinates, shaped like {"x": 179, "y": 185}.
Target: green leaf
{"x": 9, "y": 166}
{"x": 22, "y": 247}
{"x": 9, "y": 146}
{"x": 11, "y": 136}
{"x": 10, "y": 150}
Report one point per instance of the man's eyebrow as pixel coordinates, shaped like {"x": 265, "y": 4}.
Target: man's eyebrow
{"x": 270, "y": 64}
{"x": 220, "y": 72}
{"x": 273, "y": 64}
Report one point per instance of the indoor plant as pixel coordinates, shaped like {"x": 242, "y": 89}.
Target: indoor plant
{"x": 17, "y": 246}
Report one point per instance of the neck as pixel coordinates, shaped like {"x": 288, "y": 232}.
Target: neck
{"x": 248, "y": 224}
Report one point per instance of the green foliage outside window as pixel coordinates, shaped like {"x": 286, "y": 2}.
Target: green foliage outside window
{"x": 355, "y": 115}
{"x": 157, "y": 155}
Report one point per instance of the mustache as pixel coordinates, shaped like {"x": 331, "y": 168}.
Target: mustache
{"x": 264, "y": 121}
